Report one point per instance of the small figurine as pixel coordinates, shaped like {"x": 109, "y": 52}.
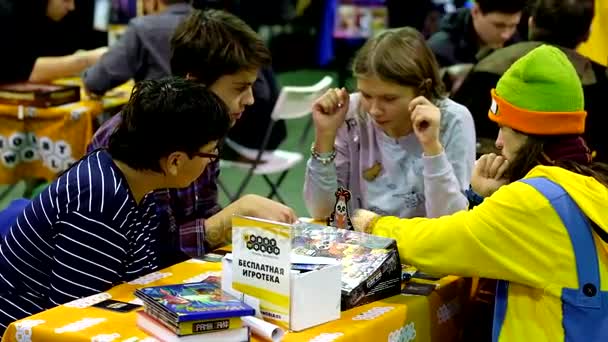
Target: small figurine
{"x": 339, "y": 218}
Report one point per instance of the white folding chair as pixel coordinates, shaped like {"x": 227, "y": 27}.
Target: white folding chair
{"x": 294, "y": 102}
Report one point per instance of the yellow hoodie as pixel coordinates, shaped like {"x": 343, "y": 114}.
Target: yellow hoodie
{"x": 514, "y": 235}
{"x": 596, "y": 47}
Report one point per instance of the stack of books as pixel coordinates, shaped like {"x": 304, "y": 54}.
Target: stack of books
{"x": 183, "y": 312}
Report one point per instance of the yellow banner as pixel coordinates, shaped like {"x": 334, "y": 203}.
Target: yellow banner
{"x": 42, "y": 142}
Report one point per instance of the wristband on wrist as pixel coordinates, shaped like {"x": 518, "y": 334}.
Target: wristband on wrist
{"x": 474, "y": 198}
{"x": 323, "y": 158}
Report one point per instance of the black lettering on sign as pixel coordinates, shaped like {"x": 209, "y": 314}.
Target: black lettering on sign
{"x": 54, "y": 163}
{"x": 9, "y": 159}
{"x": 262, "y": 244}
{"x": 211, "y": 326}
{"x": 68, "y": 163}
{"x": 32, "y": 139}
{"x": 62, "y": 149}
{"x": 29, "y": 154}
{"x": 46, "y": 146}
{"x": 17, "y": 140}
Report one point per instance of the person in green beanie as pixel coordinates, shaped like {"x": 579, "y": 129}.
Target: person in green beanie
{"x": 543, "y": 231}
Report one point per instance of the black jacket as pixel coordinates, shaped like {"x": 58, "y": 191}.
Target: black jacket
{"x": 456, "y": 42}
{"x": 475, "y": 92}
{"x": 22, "y": 26}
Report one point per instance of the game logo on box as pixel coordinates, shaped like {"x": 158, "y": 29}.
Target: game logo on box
{"x": 370, "y": 264}
{"x": 261, "y": 265}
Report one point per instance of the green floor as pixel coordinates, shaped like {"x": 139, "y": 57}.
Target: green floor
{"x": 291, "y": 189}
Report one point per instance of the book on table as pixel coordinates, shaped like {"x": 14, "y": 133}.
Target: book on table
{"x": 194, "y": 308}
{"x": 154, "y": 328}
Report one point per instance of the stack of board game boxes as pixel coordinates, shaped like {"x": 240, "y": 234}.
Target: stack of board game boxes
{"x": 185, "y": 312}
{"x": 370, "y": 264}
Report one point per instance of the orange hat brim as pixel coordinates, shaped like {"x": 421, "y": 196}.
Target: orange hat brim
{"x": 534, "y": 122}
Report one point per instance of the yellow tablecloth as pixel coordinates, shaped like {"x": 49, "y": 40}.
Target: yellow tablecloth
{"x": 41, "y": 142}
{"x": 114, "y": 98}
{"x": 402, "y": 318}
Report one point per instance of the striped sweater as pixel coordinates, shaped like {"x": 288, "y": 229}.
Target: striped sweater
{"x": 82, "y": 235}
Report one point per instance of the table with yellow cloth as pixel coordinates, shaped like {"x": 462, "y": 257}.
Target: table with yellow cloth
{"x": 114, "y": 98}
{"x": 39, "y": 143}
{"x": 401, "y": 318}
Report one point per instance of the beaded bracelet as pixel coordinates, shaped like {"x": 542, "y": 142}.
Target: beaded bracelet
{"x": 322, "y": 159}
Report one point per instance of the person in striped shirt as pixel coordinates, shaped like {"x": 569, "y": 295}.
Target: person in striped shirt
{"x": 97, "y": 224}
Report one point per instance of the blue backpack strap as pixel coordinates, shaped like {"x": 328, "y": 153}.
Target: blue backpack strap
{"x": 585, "y": 254}
{"x": 500, "y": 308}
{"x": 577, "y": 224}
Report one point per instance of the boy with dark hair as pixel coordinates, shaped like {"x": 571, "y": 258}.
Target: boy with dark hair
{"x": 212, "y": 44}
{"x": 143, "y": 51}
{"x": 219, "y": 50}
{"x": 546, "y": 26}
{"x": 97, "y": 225}
{"x": 468, "y": 34}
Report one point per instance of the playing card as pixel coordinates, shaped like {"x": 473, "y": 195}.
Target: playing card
{"x": 418, "y": 289}
{"x": 117, "y": 306}
{"x": 426, "y": 276}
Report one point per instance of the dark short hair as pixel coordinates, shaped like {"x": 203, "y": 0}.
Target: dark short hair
{"x": 210, "y": 44}
{"x": 165, "y": 116}
{"x": 501, "y": 6}
{"x": 562, "y": 22}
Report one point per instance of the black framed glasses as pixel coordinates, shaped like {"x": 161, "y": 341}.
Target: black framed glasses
{"x": 211, "y": 156}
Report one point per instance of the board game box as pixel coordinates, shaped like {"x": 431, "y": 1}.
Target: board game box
{"x": 371, "y": 269}
{"x": 194, "y": 301}
{"x": 38, "y": 94}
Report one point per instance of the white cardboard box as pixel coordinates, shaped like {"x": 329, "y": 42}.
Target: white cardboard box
{"x": 314, "y": 298}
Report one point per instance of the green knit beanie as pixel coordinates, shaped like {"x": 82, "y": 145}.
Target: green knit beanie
{"x": 540, "y": 93}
